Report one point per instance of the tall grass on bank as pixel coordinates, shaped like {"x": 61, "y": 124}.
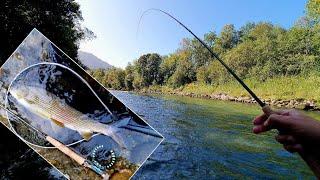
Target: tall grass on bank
{"x": 284, "y": 88}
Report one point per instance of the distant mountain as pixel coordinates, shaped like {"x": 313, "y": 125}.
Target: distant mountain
{"x": 92, "y": 61}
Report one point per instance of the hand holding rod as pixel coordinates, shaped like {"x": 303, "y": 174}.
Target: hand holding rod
{"x": 265, "y": 108}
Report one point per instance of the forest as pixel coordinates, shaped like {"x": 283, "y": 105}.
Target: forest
{"x": 268, "y": 57}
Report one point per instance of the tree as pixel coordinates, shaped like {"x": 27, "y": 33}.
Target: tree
{"x": 115, "y": 78}
{"x": 244, "y": 32}
{"x": 242, "y": 58}
{"x": 137, "y": 82}
{"x": 255, "y": 51}
{"x": 216, "y": 73}
{"x": 184, "y": 72}
{"x": 168, "y": 66}
{"x": 203, "y": 75}
{"x": 228, "y": 37}
{"x": 99, "y": 74}
{"x": 313, "y": 10}
{"x": 200, "y": 56}
{"x": 148, "y": 67}
{"x": 58, "y": 20}
{"x": 210, "y": 38}
{"x": 129, "y": 77}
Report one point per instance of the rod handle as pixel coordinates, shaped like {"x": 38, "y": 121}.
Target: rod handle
{"x": 267, "y": 110}
{"x": 67, "y": 151}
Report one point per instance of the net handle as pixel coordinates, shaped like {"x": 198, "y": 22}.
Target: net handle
{"x": 76, "y": 157}
{"x": 67, "y": 151}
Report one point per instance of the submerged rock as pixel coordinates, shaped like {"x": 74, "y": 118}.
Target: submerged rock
{"x": 122, "y": 175}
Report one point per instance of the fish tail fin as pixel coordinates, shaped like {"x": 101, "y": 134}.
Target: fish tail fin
{"x": 109, "y": 131}
{"x": 121, "y": 123}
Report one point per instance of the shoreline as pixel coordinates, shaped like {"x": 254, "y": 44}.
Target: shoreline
{"x": 302, "y": 104}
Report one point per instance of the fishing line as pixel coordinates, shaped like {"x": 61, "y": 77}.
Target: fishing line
{"x": 214, "y": 55}
{"x": 55, "y": 64}
{"x": 94, "y": 165}
{"x": 38, "y": 131}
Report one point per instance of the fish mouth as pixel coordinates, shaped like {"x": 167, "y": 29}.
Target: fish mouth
{"x": 17, "y": 94}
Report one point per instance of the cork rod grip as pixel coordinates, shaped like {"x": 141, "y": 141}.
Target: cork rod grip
{"x": 267, "y": 110}
{"x": 67, "y": 151}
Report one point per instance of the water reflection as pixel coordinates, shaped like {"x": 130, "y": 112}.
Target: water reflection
{"x": 207, "y": 139}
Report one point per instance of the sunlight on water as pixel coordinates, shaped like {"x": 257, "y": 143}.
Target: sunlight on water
{"x": 211, "y": 139}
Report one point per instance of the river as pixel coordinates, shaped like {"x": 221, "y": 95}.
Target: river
{"x": 209, "y": 139}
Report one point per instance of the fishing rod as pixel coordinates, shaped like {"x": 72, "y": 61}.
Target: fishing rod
{"x": 93, "y": 165}
{"x": 63, "y": 148}
{"x": 265, "y": 108}
{"x": 263, "y": 105}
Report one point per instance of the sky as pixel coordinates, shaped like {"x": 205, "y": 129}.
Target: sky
{"x": 115, "y": 23}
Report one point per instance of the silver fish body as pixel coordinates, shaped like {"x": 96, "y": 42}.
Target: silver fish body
{"x": 49, "y": 106}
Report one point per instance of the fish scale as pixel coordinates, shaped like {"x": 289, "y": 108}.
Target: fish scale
{"x": 49, "y": 106}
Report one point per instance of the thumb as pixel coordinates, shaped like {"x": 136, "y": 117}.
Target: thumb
{"x": 267, "y": 110}
{"x": 276, "y": 121}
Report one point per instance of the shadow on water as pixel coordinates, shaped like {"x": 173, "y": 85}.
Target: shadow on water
{"x": 211, "y": 139}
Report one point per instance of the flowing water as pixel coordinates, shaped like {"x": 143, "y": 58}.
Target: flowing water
{"x": 210, "y": 139}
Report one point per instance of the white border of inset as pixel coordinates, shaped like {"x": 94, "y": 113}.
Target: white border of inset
{"x": 163, "y": 138}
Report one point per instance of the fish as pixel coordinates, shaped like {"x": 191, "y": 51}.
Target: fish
{"x": 46, "y": 105}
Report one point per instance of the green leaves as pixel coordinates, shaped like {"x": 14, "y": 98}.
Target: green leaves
{"x": 313, "y": 10}
{"x": 148, "y": 68}
{"x": 59, "y": 20}
{"x": 260, "y": 51}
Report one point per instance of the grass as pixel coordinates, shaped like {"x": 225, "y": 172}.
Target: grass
{"x": 284, "y": 88}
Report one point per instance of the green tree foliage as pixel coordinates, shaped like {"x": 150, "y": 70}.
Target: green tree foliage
{"x": 114, "y": 78}
{"x": 138, "y": 82}
{"x": 148, "y": 68}
{"x": 228, "y": 38}
{"x": 203, "y": 75}
{"x": 313, "y": 10}
{"x": 168, "y": 67}
{"x": 245, "y": 30}
{"x": 99, "y": 74}
{"x": 129, "y": 77}
{"x": 259, "y": 51}
{"x": 184, "y": 72}
{"x": 58, "y": 20}
{"x": 199, "y": 55}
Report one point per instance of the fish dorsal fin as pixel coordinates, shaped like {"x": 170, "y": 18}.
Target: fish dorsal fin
{"x": 57, "y": 122}
{"x": 86, "y": 135}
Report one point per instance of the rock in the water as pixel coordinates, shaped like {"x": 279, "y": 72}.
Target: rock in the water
{"x": 309, "y": 106}
{"x": 122, "y": 174}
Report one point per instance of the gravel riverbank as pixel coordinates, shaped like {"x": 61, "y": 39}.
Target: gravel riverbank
{"x": 302, "y": 104}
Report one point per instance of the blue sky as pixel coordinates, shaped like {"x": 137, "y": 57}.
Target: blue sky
{"x": 115, "y": 23}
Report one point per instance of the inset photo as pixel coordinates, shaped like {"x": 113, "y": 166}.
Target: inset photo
{"x": 69, "y": 118}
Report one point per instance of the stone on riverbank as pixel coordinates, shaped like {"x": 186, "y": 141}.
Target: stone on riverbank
{"x": 298, "y": 103}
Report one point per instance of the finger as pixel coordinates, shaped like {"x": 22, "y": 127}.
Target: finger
{"x": 293, "y": 148}
{"x": 286, "y": 139}
{"x": 259, "y": 129}
{"x": 260, "y": 119}
{"x": 285, "y": 112}
{"x": 276, "y": 121}
{"x": 268, "y": 111}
